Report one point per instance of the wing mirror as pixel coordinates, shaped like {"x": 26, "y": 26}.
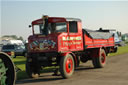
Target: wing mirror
{"x": 30, "y": 26}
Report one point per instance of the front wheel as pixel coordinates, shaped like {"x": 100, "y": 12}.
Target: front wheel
{"x": 31, "y": 70}
{"x": 67, "y": 66}
{"x": 99, "y": 61}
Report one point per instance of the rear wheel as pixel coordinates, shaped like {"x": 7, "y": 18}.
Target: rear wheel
{"x": 99, "y": 61}
{"x": 115, "y": 49}
{"x": 67, "y": 66}
{"x": 31, "y": 70}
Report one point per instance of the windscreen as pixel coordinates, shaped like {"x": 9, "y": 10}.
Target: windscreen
{"x": 38, "y": 29}
{"x": 59, "y": 27}
{"x": 8, "y": 47}
{"x": 52, "y": 28}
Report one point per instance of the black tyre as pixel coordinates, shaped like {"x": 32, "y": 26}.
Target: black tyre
{"x": 7, "y": 70}
{"x": 67, "y": 66}
{"x": 31, "y": 70}
{"x": 115, "y": 49}
{"x": 99, "y": 61}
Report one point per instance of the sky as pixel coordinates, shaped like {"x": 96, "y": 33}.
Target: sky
{"x": 16, "y": 15}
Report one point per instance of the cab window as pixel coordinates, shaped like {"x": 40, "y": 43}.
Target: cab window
{"x": 58, "y": 27}
{"x": 73, "y": 27}
{"x": 51, "y": 28}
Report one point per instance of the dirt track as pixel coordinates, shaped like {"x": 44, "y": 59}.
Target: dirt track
{"x": 115, "y": 73}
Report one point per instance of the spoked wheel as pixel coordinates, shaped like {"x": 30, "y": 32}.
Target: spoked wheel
{"x": 67, "y": 66}
{"x": 7, "y": 71}
{"x": 31, "y": 70}
{"x": 3, "y": 71}
{"x": 99, "y": 61}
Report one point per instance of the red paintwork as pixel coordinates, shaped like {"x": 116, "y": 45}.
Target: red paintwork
{"x": 39, "y": 41}
{"x": 98, "y": 43}
{"x": 66, "y": 53}
{"x": 69, "y": 65}
{"x": 103, "y": 59}
{"x": 64, "y": 42}
{"x": 50, "y": 20}
{"x": 9, "y": 53}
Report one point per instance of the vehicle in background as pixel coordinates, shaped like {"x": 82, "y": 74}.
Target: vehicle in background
{"x": 17, "y": 42}
{"x": 117, "y": 36}
{"x": 125, "y": 38}
{"x": 14, "y": 50}
{"x": 1, "y": 46}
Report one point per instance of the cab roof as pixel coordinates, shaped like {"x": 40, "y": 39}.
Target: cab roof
{"x": 55, "y": 20}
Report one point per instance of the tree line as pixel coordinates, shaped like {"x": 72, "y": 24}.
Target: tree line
{"x": 13, "y": 37}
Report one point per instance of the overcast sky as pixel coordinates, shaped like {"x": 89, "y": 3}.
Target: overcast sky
{"x": 17, "y": 15}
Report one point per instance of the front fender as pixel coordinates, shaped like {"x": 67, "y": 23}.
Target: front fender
{"x": 73, "y": 55}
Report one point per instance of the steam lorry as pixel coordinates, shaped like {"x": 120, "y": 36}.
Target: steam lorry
{"x": 62, "y": 42}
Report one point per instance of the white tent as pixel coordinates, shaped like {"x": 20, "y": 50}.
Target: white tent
{"x": 17, "y": 42}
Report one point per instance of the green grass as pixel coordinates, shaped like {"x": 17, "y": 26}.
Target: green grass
{"x": 121, "y": 50}
{"x": 20, "y": 62}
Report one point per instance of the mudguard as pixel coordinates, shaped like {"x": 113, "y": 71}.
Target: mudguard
{"x": 74, "y": 56}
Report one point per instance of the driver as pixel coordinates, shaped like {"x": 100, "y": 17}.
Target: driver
{"x": 53, "y": 27}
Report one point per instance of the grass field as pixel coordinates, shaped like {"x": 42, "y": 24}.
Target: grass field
{"x": 121, "y": 50}
{"x": 20, "y": 62}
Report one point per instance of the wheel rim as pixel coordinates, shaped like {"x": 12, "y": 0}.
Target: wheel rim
{"x": 3, "y": 71}
{"x": 103, "y": 58}
{"x": 69, "y": 65}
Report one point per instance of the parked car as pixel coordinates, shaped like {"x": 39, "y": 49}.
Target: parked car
{"x": 14, "y": 50}
{"x": 1, "y": 46}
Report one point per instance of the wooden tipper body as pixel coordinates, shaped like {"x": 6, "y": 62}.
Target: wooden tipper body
{"x": 96, "y": 39}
